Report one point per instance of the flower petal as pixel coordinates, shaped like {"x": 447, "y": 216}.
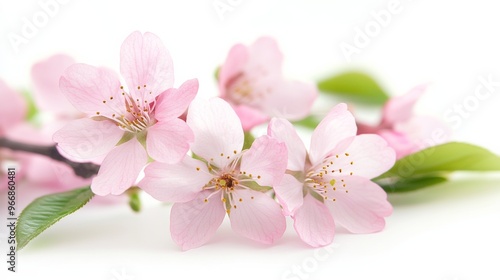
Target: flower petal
{"x": 12, "y": 107}
{"x": 86, "y": 138}
{"x": 284, "y": 131}
{"x": 217, "y": 130}
{"x": 338, "y": 125}
{"x": 52, "y": 175}
{"x": 399, "y": 141}
{"x": 265, "y": 57}
{"x": 46, "y": 75}
{"x": 193, "y": 223}
{"x": 360, "y": 206}
{"x": 91, "y": 90}
{"x": 368, "y": 155}
{"x": 174, "y": 102}
{"x": 232, "y": 67}
{"x": 289, "y": 193}
{"x": 249, "y": 116}
{"x": 314, "y": 223}
{"x": 175, "y": 182}
{"x": 265, "y": 161}
{"x": 144, "y": 60}
{"x": 291, "y": 100}
{"x": 120, "y": 168}
{"x": 422, "y": 132}
{"x": 257, "y": 216}
{"x": 169, "y": 141}
{"x": 400, "y": 108}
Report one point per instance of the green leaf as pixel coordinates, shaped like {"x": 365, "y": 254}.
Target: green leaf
{"x": 217, "y": 73}
{"x": 32, "y": 110}
{"x": 308, "y": 122}
{"x": 356, "y": 86}
{"x": 46, "y": 211}
{"x": 134, "y": 200}
{"x": 249, "y": 138}
{"x": 430, "y": 166}
{"x": 449, "y": 157}
{"x": 410, "y": 184}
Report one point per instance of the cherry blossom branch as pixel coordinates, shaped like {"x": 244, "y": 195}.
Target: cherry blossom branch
{"x": 82, "y": 169}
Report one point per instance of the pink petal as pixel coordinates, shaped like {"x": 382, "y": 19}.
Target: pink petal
{"x": 400, "y": 108}
{"x": 169, "y": 141}
{"x": 256, "y": 216}
{"x": 399, "y": 141}
{"x": 249, "y": 116}
{"x": 235, "y": 62}
{"x": 174, "y": 102}
{"x": 193, "y": 223}
{"x": 362, "y": 208}
{"x": 86, "y": 138}
{"x": 217, "y": 130}
{"x": 291, "y": 100}
{"x": 175, "y": 182}
{"x": 314, "y": 223}
{"x": 284, "y": 131}
{"x": 265, "y": 161}
{"x": 289, "y": 193}
{"x": 12, "y": 108}
{"x": 46, "y": 75}
{"x": 87, "y": 87}
{"x": 338, "y": 125}
{"x": 120, "y": 168}
{"x": 265, "y": 57}
{"x": 368, "y": 155}
{"x": 145, "y": 61}
{"x": 53, "y": 175}
{"x": 422, "y": 132}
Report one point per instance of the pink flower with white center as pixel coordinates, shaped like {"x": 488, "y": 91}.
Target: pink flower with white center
{"x": 223, "y": 179}
{"x": 251, "y": 80}
{"x": 405, "y": 132}
{"x": 330, "y": 185}
{"x": 127, "y": 126}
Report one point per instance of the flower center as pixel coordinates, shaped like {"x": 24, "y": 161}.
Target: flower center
{"x": 129, "y": 113}
{"x": 245, "y": 90}
{"x": 226, "y": 182}
{"x": 325, "y": 180}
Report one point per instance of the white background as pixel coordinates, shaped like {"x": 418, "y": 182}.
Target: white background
{"x": 448, "y": 232}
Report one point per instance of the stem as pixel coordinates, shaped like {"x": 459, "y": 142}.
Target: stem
{"x": 82, "y": 169}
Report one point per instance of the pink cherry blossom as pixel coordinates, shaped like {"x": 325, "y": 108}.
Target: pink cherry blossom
{"x": 222, "y": 179}
{"x": 251, "y": 80}
{"x": 13, "y": 110}
{"x": 330, "y": 185}
{"x": 405, "y": 132}
{"x": 46, "y": 92}
{"x": 127, "y": 124}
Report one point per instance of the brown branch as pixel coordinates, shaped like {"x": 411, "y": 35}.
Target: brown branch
{"x": 82, "y": 169}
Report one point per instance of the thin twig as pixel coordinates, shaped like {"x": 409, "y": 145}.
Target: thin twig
{"x": 82, "y": 169}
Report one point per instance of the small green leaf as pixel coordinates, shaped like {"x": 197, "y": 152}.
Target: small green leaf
{"x": 449, "y": 157}
{"x": 308, "y": 122}
{"x": 45, "y": 211}
{"x": 134, "y": 200}
{"x": 249, "y": 138}
{"x": 217, "y": 73}
{"x": 32, "y": 110}
{"x": 356, "y": 86}
{"x": 410, "y": 184}
{"x": 430, "y": 166}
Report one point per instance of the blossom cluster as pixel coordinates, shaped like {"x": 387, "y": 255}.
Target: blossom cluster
{"x": 196, "y": 153}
